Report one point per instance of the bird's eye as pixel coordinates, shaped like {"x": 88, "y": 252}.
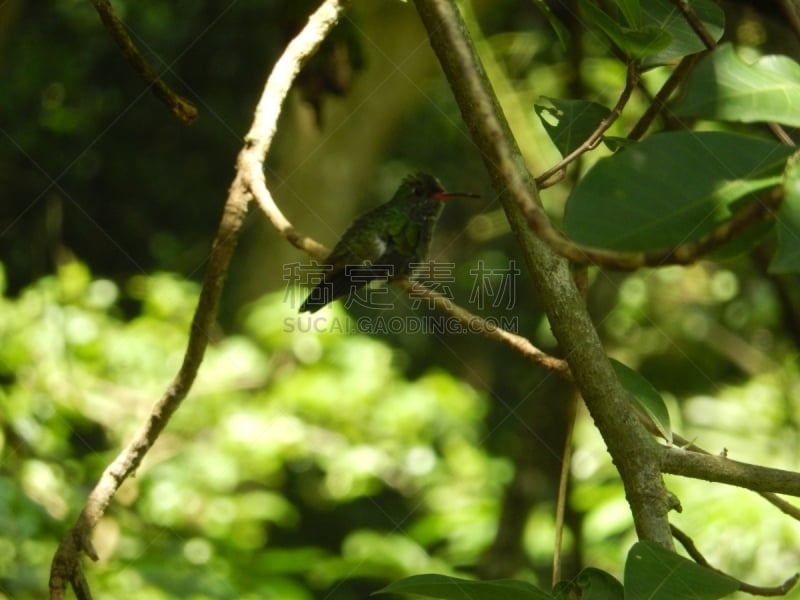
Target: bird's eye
{"x": 417, "y": 190}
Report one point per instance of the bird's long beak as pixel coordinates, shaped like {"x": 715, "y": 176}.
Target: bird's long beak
{"x": 444, "y": 196}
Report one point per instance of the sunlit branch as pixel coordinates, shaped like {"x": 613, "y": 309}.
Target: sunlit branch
{"x": 66, "y": 568}
{"x": 785, "y": 507}
{"x": 631, "y": 80}
{"x": 681, "y": 442}
{"x": 679, "y": 461}
{"x": 756, "y": 590}
{"x": 177, "y": 104}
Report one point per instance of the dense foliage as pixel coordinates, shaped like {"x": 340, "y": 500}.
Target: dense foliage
{"x": 315, "y": 459}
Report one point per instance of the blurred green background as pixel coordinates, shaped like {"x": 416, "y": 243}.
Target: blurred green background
{"x": 317, "y": 463}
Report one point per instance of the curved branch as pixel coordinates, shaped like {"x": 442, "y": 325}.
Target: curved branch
{"x": 756, "y": 590}
{"x": 177, "y": 104}
{"x": 683, "y": 254}
{"x": 631, "y": 81}
{"x": 65, "y": 568}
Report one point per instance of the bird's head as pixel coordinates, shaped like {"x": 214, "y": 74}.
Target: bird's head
{"x": 423, "y": 194}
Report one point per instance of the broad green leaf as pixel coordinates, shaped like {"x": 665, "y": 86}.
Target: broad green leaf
{"x": 669, "y": 189}
{"x": 454, "y": 588}
{"x": 563, "y": 589}
{"x": 653, "y": 573}
{"x": 787, "y": 254}
{"x": 632, "y": 12}
{"x": 561, "y": 31}
{"x": 570, "y": 122}
{"x": 590, "y": 584}
{"x": 725, "y": 87}
{"x": 645, "y": 397}
{"x": 663, "y": 14}
{"x": 636, "y": 43}
{"x": 599, "y": 585}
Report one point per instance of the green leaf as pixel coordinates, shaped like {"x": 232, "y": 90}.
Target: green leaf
{"x": 560, "y": 29}
{"x": 599, "y": 585}
{"x": 663, "y": 14}
{"x": 632, "y": 12}
{"x": 570, "y": 122}
{"x": 590, "y": 584}
{"x": 636, "y": 43}
{"x": 669, "y": 189}
{"x": 645, "y": 397}
{"x": 454, "y": 588}
{"x": 787, "y": 254}
{"x": 653, "y": 573}
{"x": 725, "y": 87}
{"x": 564, "y": 589}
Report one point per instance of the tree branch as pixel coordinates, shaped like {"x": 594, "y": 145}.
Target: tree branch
{"x": 66, "y": 567}
{"x": 177, "y": 104}
{"x": 708, "y": 40}
{"x": 634, "y": 452}
{"x": 477, "y": 324}
{"x": 790, "y": 9}
{"x": 681, "y": 442}
{"x": 756, "y": 590}
{"x": 683, "y": 254}
{"x": 631, "y": 80}
{"x": 687, "y": 463}
{"x": 677, "y": 76}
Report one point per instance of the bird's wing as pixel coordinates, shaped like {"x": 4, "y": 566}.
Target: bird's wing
{"x": 401, "y": 239}
{"x": 355, "y": 247}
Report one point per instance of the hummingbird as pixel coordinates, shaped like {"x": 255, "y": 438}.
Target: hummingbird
{"x": 383, "y": 243}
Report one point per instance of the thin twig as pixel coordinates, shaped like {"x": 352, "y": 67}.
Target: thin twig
{"x": 631, "y": 80}
{"x": 695, "y": 23}
{"x": 177, "y": 104}
{"x": 563, "y": 486}
{"x": 710, "y": 43}
{"x": 677, "y": 76}
{"x": 756, "y": 590}
{"x": 66, "y": 567}
{"x": 477, "y": 324}
{"x": 790, "y": 10}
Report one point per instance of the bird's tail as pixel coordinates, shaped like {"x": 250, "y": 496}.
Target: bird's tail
{"x": 342, "y": 283}
{"x": 321, "y": 295}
